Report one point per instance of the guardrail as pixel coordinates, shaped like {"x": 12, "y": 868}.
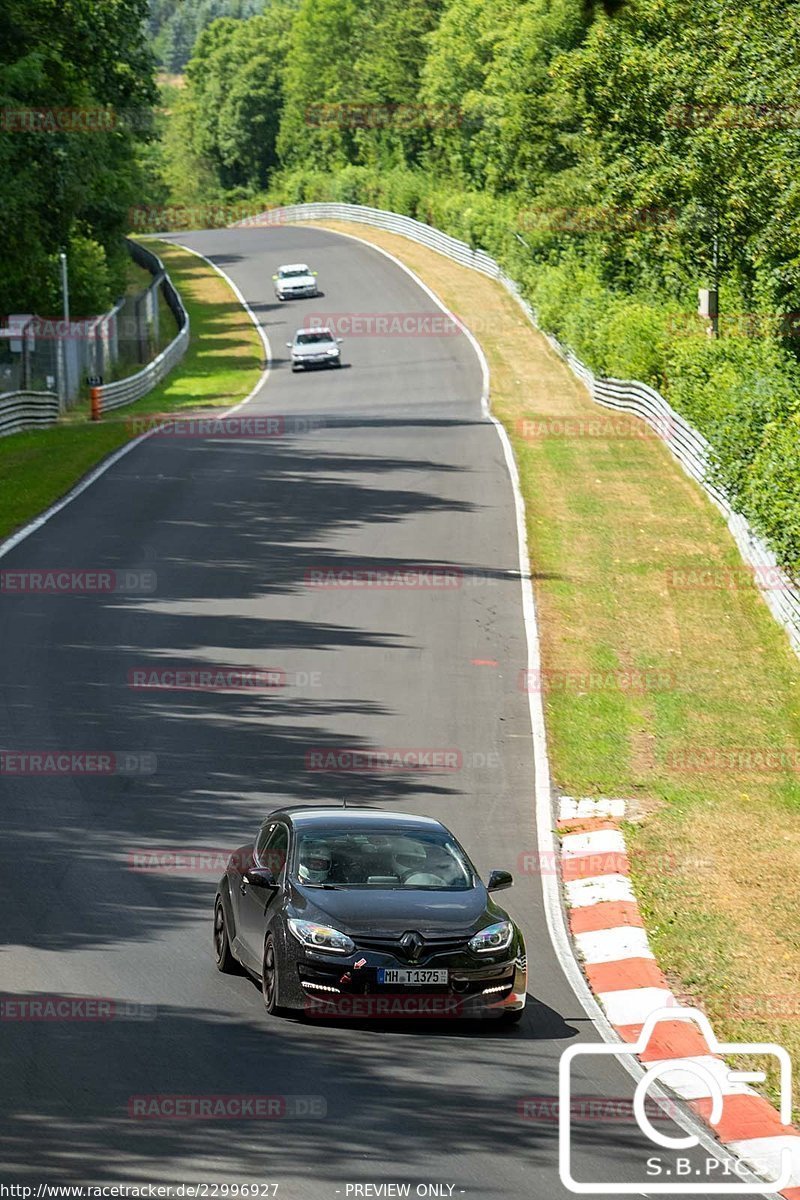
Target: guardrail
{"x": 27, "y": 410}
{"x": 687, "y": 445}
{"x": 126, "y": 391}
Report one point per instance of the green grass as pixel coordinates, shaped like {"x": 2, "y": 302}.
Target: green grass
{"x": 220, "y": 367}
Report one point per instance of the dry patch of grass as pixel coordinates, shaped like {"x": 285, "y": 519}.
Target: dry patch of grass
{"x": 682, "y": 696}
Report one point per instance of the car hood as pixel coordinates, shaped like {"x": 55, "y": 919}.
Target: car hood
{"x": 385, "y": 911}
{"x": 313, "y": 349}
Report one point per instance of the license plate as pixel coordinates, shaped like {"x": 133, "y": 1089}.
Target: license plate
{"x": 415, "y": 976}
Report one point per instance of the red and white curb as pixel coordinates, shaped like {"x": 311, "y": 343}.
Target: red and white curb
{"x": 610, "y": 940}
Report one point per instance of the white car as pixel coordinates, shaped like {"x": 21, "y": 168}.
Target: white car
{"x": 295, "y": 280}
{"x": 315, "y": 348}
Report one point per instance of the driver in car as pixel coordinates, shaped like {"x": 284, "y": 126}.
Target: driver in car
{"x": 314, "y": 865}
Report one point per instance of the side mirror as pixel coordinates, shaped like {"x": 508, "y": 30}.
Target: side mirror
{"x": 260, "y": 877}
{"x": 274, "y": 276}
{"x": 499, "y": 880}
{"x": 340, "y": 340}
{"x": 288, "y": 345}
{"x": 315, "y": 273}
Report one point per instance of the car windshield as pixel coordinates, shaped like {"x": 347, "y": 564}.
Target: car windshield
{"x": 292, "y": 272}
{"x": 313, "y": 339}
{"x": 381, "y": 858}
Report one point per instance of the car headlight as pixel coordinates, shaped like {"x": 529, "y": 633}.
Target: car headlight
{"x": 321, "y": 937}
{"x": 492, "y": 938}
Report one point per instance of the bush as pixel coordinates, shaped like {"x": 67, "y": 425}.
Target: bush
{"x": 731, "y": 389}
{"x": 771, "y": 493}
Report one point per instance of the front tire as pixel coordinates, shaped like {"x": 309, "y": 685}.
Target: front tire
{"x": 223, "y": 956}
{"x": 269, "y": 978}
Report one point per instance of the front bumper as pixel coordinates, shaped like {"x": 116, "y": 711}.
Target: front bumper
{"x": 315, "y": 360}
{"x": 296, "y": 293}
{"x": 324, "y": 984}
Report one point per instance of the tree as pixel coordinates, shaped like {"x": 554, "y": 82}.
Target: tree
{"x": 74, "y": 63}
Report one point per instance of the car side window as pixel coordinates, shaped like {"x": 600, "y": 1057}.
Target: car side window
{"x": 272, "y": 848}
{"x": 263, "y": 838}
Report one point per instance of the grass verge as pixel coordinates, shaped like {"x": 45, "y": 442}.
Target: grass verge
{"x": 666, "y": 679}
{"x": 220, "y": 367}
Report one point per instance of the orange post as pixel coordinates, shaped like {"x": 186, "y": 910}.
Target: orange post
{"x": 97, "y": 403}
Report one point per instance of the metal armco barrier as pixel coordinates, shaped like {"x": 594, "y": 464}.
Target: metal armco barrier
{"x": 688, "y": 446}
{"x": 27, "y": 410}
{"x": 125, "y": 391}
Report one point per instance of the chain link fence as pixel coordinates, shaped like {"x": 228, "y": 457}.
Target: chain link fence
{"x": 39, "y": 354}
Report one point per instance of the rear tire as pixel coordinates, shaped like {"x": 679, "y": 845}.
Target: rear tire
{"x": 223, "y": 956}
{"x": 513, "y": 1016}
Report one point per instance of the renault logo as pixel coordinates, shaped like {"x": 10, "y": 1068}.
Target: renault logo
{"x": 412, "y": 945}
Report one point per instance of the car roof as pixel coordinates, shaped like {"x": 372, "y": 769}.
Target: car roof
{"x": 305, "y": 816}
{"x": 315, "y": 329}
{"x": 294, "y": 267}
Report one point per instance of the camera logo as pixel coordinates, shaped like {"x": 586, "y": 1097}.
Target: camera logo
{"x": 714, "y": 1085}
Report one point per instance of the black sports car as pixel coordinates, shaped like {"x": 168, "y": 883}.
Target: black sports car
{"x": 362, "y": 912}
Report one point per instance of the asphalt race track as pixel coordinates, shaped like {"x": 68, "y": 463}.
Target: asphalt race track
{"x": 387, "y": 463}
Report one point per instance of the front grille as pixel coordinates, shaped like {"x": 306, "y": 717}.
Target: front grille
{"x": 431, "y": 946}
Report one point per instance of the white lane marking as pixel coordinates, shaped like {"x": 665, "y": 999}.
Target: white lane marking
{"x": 600, "y": 841}
{"x": 598, "y": 889}
{"x": 609, "y": 945}
{"x": 692, "y": 1086}
{"x": 632, "y": 1006}
{"x": 476, "y": 346}
{"x": 542, "y": 794}
{"x": 108, "y": 463}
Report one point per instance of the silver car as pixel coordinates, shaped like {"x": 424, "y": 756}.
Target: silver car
{"x": 315, "y": 348}
{"x": 294, "y": 281}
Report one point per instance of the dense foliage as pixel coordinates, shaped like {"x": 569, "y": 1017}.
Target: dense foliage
{"x": 615, "y": 156}
{"x": 175, "y": 25}
{"x": 68, "y": 67}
